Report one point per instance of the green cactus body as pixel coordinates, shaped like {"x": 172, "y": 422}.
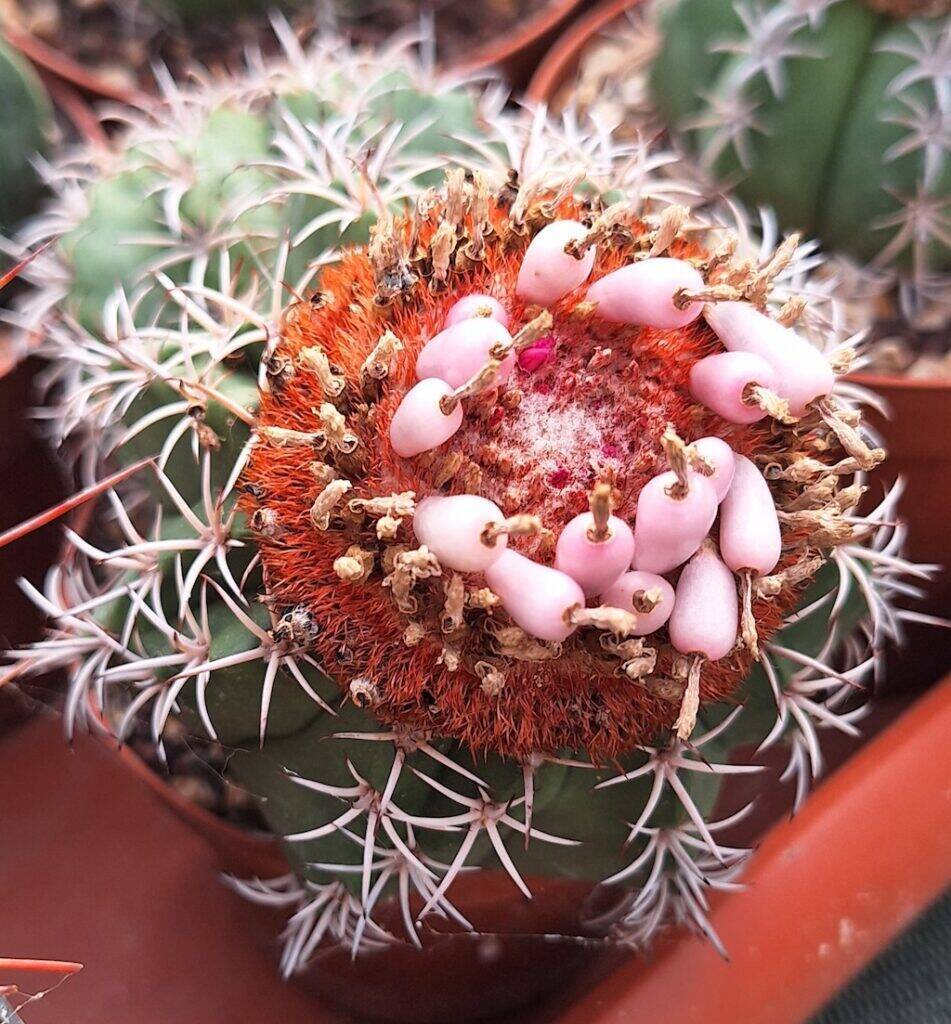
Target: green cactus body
{"x": 24, "y": 133}
{"x": 244, "y": 216}
{"x": 167, "y": 197}
{"x": 832, "y": 114}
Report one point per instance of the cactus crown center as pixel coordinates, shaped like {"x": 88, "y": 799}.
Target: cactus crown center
{"x": 588, "y": 402}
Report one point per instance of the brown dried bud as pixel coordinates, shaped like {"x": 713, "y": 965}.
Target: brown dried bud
{"x": 355, "y": 565}
{"x": 326, "y": 502}
{"x": 364, "y": 693}
{"x": 492, "y": 679}
{"x": 296, "y": 627}
{"x": 316, "y": 359}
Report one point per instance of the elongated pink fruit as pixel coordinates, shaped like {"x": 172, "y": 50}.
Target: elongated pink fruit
{"x": 621, "y": 595}
{"x": 476, "y": 306}
{"x": 668, "y": 530}
{"x": 591, "y": 563}
{"x": 457, "y": 353}
{"x": 802, "y": 372}
{"x": 749, "y": 526}
{"x": 706, "y": 609}
{"x": 418, "y": 423}
{"x": 451, "y": 527}
{"x": 536, "y": 596}
{"x": 548, "y": 273}
{"x": 720, "y": 455}
{"x": 643, "y": 293}
{"x": 718, "y": 382}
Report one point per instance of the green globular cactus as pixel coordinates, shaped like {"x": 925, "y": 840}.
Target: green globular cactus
{"x": 240, "y": 293}
{"x": 24, "y": 134}
{"x": 834, "y": 112}
{"x": 207, "y": 181}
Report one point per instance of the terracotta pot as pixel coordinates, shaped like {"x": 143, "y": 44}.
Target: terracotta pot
{"x": 516, "y": 53}
{"x": 96, "y": 870}
{"x": 917, "y": 435}
{"x": 516, "y": 963}
{"x": 562, "y": 59}
{"x": 63, "y": 67}
{"x": 519, "y": 959}
{"x": 825, "y": 892}
{"x": 238, "y": 851}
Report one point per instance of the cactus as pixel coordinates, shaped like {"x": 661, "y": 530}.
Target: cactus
{"x": 24, "y": 133}
{"x": 833, "y": 113}
{"x": 403, "y": 718}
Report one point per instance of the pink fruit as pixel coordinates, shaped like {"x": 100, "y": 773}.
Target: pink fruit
{"x": 451, "y": 527}
{"x": 621, "y": 595}
{"x": 720, "y": 455}
{"x": 418, "y": 423}
{"x": 749, "y": 526}
{"x": 643, "y": 293}
{"x": 475, "y": 306}
{"x": 548, "y": 273}
{"x": 719, "y": 381}
{"x": 668, "y": 530}
{"x": 457, "y": 353}
{"x": 802, "y": 371}
{"x": 591, "y": 563}
{"x": 706, "y": 609}
{"x": 537, "y": 597}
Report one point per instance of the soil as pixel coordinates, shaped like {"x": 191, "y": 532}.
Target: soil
{"x": 895, "y": 348}
{"x": 195, "y": 768}
{"x": 461, "y": 26}
{"x": 122, "y": 41}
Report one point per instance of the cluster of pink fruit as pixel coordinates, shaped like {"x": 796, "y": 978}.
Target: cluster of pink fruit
{"x": 597, "y": 554}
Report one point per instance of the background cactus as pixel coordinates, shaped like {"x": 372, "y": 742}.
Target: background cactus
{"x": 834, "y": 113}
{"x": 24, "y": 134}
{"x": 224, "y": 205}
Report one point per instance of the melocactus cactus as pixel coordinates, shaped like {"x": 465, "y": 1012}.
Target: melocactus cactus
{"x": 836, "y": 114}
{"x": 486, "y": 537}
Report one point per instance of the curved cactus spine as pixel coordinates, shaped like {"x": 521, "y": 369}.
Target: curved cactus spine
{"x": 179, "y": 605}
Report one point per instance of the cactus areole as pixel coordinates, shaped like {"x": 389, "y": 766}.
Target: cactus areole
{"x": 448, "y": 570}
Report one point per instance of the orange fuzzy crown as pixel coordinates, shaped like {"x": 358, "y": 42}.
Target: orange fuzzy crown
{"x": 431, "y": 650}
